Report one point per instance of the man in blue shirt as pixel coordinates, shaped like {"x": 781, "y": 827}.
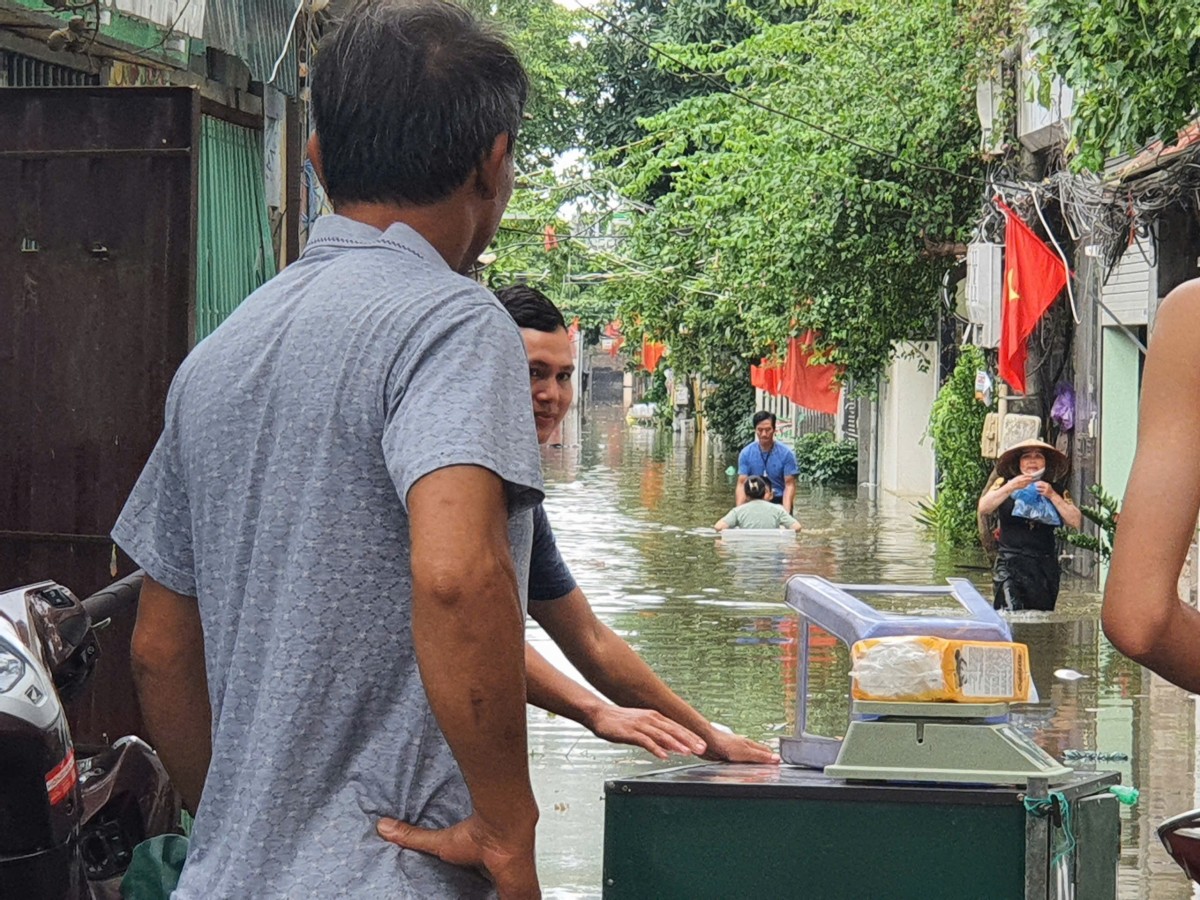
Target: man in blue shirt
{"x": 645, "y": 712}
{"x": 769, "y": 459}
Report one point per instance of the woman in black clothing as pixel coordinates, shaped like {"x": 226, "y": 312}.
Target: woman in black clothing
{"x": 1027, "y": 571}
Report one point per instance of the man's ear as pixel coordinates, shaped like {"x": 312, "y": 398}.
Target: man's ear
{"x": 489, "y": 174}
{"x": 314, "y": 156}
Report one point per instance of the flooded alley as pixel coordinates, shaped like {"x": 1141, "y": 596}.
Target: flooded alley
{"x": 630, "y": 508}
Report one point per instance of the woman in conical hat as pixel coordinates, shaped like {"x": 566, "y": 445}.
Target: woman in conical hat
{"x": 1027, "y": 573}
{"x": 1009, "y": 463}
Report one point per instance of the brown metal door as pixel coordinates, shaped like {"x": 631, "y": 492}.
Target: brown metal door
{"x": 97, "y": 256}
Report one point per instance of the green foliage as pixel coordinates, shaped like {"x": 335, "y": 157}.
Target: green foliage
{"x": 927, "y": 514}
{"x": 728, "y": 411}
{"x": 823, "y": 460}
{"x": 657, "y": 390}
{"x": 546, "y": 36}
{"x": 761, "y": 226}
{"x": 549, "y": 38}
{"x": 632, "y": 83}
{"x": 956, "y": 426}
{"x": 521, "y": 255}
{"x": 990, "y": 29}
{"x": 1104, "y": 516}
{"x": 1134, "y": 66}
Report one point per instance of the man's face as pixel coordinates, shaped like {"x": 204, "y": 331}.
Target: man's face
{"x": 551, "y": 368}
{"x": 765, "y": 432}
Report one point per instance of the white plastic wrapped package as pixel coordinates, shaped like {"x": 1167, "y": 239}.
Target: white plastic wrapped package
{"x": 921, "y": 668}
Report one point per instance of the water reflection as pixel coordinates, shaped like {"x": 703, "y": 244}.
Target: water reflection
{"x": 629, "y": 507}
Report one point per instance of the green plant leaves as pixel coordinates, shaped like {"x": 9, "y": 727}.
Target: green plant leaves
{"x": 1132, "y": 65}
{"x": 956, "y": 426}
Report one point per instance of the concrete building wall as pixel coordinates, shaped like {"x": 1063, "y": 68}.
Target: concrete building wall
{"x": 905, "y": 462}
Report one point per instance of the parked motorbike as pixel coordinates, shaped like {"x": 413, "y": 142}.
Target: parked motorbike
{"x": 70, "y": 815}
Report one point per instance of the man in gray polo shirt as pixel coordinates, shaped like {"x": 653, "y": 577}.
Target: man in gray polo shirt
{"x": 335, "y": 521}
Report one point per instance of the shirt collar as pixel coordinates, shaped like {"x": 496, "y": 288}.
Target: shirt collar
{"x": 335, "y": 234}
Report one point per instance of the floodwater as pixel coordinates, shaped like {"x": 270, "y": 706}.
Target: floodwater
{"x": 628, "y": 505}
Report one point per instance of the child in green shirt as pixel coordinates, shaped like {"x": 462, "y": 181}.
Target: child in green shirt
{"x": 758, "y": 511}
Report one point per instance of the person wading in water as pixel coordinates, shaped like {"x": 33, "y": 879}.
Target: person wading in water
{"x": 1027, "y": 572}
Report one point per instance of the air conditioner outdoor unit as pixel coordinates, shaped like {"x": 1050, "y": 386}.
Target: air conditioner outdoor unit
{"x": 985, "y": 275}
{"x": 1038, "y": 126}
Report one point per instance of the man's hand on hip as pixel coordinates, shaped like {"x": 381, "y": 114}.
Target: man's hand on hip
{"x": 506, "y": 859}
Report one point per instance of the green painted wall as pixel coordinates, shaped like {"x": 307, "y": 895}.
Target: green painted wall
{"x": 1119, "y": 390}
{"x": 235, "y": 254}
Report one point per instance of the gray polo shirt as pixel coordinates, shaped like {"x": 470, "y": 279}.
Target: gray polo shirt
{"x": 276, "y": 497}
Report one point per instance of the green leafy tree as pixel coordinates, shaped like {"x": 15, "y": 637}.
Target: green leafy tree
{"x": 1134, "y": 66}
{"x": 956, "y": 426}
{"x": 631, "y": 83}
{"x": 818, "y": 211}
{"x": 548, "y": 38}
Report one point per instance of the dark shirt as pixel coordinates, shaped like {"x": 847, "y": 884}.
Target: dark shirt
{"x": 549, "y": 577}
{"x": 1020, "y": 534}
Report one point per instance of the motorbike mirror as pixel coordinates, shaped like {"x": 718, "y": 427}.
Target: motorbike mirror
{"x": 1180, "y": 835}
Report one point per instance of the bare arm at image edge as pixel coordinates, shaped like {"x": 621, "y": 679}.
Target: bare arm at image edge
{"x": 1142, "y": 614}
{"x": 172, "y": 687}
{"x": 469, "y": 637}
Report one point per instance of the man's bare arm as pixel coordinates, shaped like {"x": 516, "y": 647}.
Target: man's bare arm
{"x": 740, "y": 495}
{"x": 789, "y": 492}
{"x": 551, "y": 690}
{"x": 168, "y": 670}
{"x": 1142, "y": 614}
{"x": 612, "y": 666}
{"x": 469, "y": 636}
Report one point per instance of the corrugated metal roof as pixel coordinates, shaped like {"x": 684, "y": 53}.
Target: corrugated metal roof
{"x": 251, "y": 30}
{"x": 255, "y": 30}
{"x": 186, "y": 16}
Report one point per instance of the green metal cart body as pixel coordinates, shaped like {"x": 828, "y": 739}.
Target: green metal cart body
{"x": 732, "y": 831}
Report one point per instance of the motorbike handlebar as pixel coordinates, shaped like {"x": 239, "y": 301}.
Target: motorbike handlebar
{"x": 115, "y": 599}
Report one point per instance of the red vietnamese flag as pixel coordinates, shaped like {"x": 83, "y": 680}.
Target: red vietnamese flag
{"x": 811, "y": 385}
{"x": 651, "y": 353}
{"x": 1033, "y": 278}
{"x": 766, "y": 376}
{"x": 613, "y": 330}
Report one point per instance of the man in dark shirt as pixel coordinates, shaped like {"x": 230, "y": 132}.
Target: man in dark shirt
{"x": 644, "y": 712}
